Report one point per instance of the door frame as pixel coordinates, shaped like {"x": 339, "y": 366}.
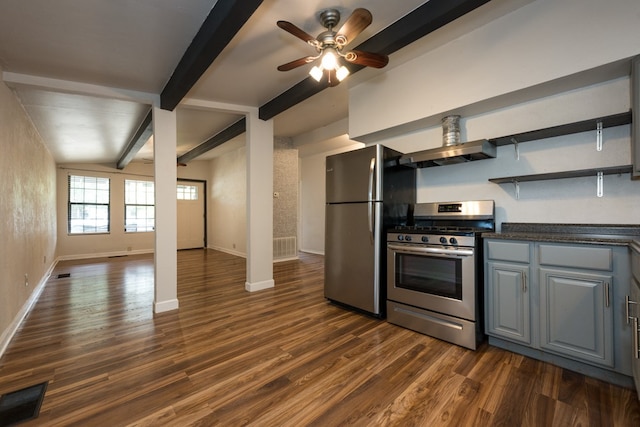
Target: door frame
{"x": 204, "y": 183}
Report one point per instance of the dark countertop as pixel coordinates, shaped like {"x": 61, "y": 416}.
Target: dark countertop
{"x": 596, "y": 234}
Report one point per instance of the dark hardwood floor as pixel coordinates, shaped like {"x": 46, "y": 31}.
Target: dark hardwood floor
{"x": 278, "y": 357}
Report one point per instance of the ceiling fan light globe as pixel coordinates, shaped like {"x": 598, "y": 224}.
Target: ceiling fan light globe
{"x": 342, "y": 73}
{"x": 329, "y": 59}
{"x": 316, "y": 72}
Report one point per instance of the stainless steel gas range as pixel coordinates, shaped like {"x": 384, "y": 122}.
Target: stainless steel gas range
{"x": 435, "y": 273}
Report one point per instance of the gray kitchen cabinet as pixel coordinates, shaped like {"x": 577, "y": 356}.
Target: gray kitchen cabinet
{"x": 507, "y": 295}
{"x": 508, "y": 301}
{"x": 561, "y": 302}
{"x": 633, "y": 314}
{"x": 576, "y": 316}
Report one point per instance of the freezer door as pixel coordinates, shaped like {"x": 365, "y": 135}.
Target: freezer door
{"x": 352, "y": 255}
{"x": 355, "y": 176}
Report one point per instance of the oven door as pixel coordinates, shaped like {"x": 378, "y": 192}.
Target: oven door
{"x": 433, "y": 278}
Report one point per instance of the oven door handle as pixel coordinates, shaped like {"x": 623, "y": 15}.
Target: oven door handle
{"x": 415, "y": 250}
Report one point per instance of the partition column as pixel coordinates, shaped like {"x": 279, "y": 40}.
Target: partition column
{"x": 259, "y": 203}
{"x": 164, "y": 163}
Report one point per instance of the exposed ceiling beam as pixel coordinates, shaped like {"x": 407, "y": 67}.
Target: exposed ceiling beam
{"x": 221, "y": 25}
{"x": 238, "y": 128}
{"x": 142, "y": 135}
{"x": 417, "y": 24}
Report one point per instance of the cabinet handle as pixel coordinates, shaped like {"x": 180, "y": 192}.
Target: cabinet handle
{"x": 636, "y": 350}
{"x": 606, "y": 294}
{"x": 524, "y": 281}
{"x": 628, "y": 301}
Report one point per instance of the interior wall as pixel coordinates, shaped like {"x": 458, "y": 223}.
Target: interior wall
{"x": 544, "y": 41}
{"x": 312, "y": 198}
{"x": 546, "y": 64}
{"x": 227, "y": 218}
{"x": 27, "y": 212}
{"x": 571, "y": 200}
{"x": 116, "y": 242}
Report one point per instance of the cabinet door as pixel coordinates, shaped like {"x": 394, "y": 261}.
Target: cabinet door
{"x": 634, "y": 312}
{"x": 576, "y": 316}
{"x": 507, "y": 310}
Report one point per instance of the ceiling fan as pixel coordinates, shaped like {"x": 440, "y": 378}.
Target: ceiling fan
{"x": 330, "y": 44}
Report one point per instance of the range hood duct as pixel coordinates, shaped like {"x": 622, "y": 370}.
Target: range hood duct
{"x": 450, "y": 155}
{"x": 452, "y": 151}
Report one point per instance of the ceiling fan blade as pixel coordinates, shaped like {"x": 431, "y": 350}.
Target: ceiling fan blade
{"x": 295, "y": 64}
{"x": 368, "y": 59}
{"x": 292, "y": 29}
{"x": 358, "y": 21}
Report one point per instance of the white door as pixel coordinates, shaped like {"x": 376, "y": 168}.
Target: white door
{"x": 190, "y": 199}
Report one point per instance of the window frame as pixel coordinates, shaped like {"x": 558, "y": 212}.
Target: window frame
{"x": 145, "y": 205}
{"x": 71, "y": 204}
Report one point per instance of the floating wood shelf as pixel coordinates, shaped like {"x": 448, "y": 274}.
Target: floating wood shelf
{"x": 566, "y": 129}
{"x": 598, "y": 173}
{"x": 612, "y": 170}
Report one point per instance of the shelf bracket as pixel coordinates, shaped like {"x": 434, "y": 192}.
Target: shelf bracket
{"x": 515, "y": 145}
{"x": 516, "y": 184}
{"x": 599, "y": 135}
{"x": 600, "y": 189}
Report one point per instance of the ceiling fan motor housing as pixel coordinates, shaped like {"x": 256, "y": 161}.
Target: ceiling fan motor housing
{"x": 329, "y": 18}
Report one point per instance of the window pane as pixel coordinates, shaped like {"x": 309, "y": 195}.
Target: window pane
{"x": 88, "y": 204}
{"x": 187, "y": 192}
{"x": 139, "y": 208}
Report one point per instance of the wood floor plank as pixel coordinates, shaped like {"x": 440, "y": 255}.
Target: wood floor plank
{"x": 279, "y": 357}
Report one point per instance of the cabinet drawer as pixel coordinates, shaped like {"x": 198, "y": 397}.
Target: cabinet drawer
{"x": 588, "y": 257}
{"x": 508, "y": 251}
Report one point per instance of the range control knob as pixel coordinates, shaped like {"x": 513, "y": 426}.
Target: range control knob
{"x": 407, "y": 238}
{"x": 443, "y": 240}
{"x": 453, "y": 241}
{"x": 400, "y": 237}
{"x": 425, "y": 239}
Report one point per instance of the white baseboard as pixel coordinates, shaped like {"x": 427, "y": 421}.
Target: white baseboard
{"x": 7, "y": 334}
{"x": 291, "y": 258}
{"x": 105, "y": 254}
{"x": 162, "y": 306}
{"x": 258, "y": 286}
{"x": 310, "y": 251}
{"x": 228, "y": 251}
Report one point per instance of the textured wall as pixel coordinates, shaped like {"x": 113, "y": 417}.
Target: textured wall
{"x": 27, "y": 209}
{"x": 285, "y": 184}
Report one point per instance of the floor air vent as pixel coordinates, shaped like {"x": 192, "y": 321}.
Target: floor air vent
{"x": 284, "y": 248}
{"x": 63, "y": 275}
{"x": 21, "y": 405}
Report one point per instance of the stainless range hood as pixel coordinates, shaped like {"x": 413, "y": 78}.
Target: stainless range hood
{"x": 450, "y": 155}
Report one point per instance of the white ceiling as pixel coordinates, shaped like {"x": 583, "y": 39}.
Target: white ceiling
{"x": 51, "y": 51}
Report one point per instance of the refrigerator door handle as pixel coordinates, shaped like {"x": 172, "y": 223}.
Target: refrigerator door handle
{"x": 372, "y": 169}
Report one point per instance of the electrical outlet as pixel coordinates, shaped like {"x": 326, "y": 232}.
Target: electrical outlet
{"x": 26, "y": 279}
{"x": 44, "y": 259}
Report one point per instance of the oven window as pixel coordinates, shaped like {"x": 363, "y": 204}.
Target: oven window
{"x": 431, "y": 275}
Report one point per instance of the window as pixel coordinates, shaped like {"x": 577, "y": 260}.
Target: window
{"x": 88, "y": 205}
{"x": 187, "y": 192}
{"x": 139, "y": 206}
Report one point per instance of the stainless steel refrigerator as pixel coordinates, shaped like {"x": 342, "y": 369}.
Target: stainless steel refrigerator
{"x": 367, "y": 192}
